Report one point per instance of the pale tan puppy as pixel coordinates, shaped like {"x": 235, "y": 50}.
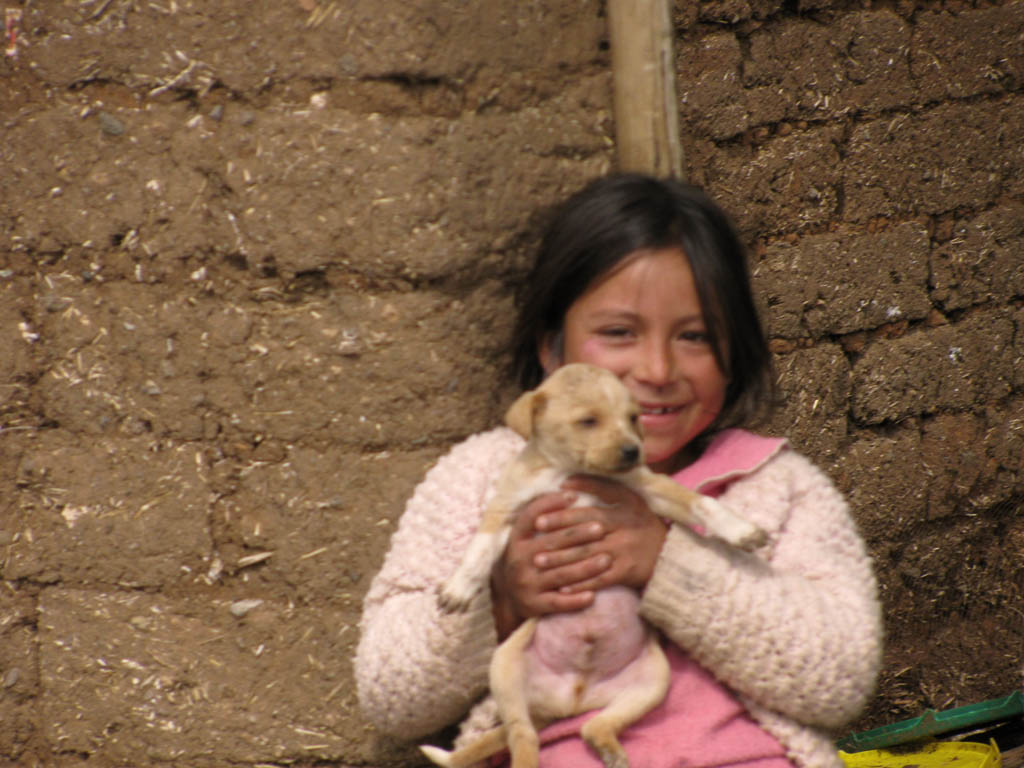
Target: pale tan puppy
{"x": 581, "y": 420}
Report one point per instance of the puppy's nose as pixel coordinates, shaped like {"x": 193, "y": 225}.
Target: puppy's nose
{"x": 630, "y": 454}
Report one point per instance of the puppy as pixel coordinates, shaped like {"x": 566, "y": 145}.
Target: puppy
{"x": 581, "y": 420}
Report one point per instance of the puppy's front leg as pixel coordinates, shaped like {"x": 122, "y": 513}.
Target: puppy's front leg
{"x": 474, "y": 571}
{"x": 669, "y": 499}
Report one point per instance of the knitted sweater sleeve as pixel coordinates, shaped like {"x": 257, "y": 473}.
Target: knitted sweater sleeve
{"x": 794, "y": 628}
{"x": 417, "y": 669}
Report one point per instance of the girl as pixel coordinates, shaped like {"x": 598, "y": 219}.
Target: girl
{"x": 769, "y": 650}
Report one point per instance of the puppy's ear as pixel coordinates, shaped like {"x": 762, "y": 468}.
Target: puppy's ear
{"x": 520, "y": 416}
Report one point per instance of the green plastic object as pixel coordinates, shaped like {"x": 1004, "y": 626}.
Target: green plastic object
{"x": 933, "y": 723}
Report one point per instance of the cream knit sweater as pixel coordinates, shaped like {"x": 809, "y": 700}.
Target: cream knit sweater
{"x": 793, "y": 629}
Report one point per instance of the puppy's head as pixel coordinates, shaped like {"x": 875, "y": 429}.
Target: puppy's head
{"x": 583, "y": 419}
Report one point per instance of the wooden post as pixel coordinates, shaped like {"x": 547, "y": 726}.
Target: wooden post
{"x": 644, "y": 82}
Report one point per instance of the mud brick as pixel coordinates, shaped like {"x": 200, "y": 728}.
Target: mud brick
{"x": 317, "y": 521}
{"x": 875, "y": 75}
{"x": 108, "y": 511}
{"x": 712, "y": 98}
{"x": 982, "y": 261}
{"x": 795, "y": 70}
{"x": 1004, "y": 431}
{"x": 729, "y": 11}
{"x": 930, "y": 163}
{"x": 990, "y": 455}
{"x": 953, "y": 484}
{"x": 814, "y": 387}
{"x": 857, "y": 64}
{"x": 845, "y": 282}
{"x": 794, "y": 179}
{"x": 189, "y": 369}
{"x": 143, "y": 678}
{"x": 947, "y": 61}
{"x": 1018, "y": 349}
{"x": 18, "y": 346}
{"x": 19, "y": 670}
{"x": 351, "y": 346}
{"x": 876, "y": 471}
{"x": 947, "y": 368}
{"x": 124, "y": 359}
{"x": 413, "y": 198}
{"x": 417, "y": 198}
{"x": 368, "y": 38}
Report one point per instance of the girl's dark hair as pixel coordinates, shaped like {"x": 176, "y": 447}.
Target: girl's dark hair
{"x": 612, "y": 218}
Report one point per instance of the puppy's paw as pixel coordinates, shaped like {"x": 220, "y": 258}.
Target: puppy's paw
{"x": 613, "y": 759}
{"x": 603, "y": 741}
{"x": 731, "y": 528}
{"x": 456, "y": 594}
{"x": 753, "y": 539}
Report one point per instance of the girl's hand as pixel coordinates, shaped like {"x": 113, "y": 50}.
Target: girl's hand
{"x": 520, "y": 588}
{"x": 558, "y": 555}
{"x": 633, "y": 534}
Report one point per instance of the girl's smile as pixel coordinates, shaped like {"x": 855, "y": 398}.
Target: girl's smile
{"x": 644, "y": 323}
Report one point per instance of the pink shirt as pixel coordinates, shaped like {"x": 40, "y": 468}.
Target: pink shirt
{"x": 700, "y": 723}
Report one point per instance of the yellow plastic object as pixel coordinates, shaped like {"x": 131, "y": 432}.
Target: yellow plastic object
{"x": 939, "y": 754}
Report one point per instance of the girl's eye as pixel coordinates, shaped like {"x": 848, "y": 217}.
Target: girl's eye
{"x": 616, "y": 332}
{"x": 695, "y": 337}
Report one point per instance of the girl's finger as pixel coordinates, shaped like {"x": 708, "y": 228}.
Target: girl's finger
{"x": 558, "y": 558}
{"x": 573, "y": 536}
{"x": 526, "y": 523}
{"x": 573, "y": 574}
{"x": 604, "y": 514}
{"x": 589, "y": 586}
{"x": 596, "y": 578}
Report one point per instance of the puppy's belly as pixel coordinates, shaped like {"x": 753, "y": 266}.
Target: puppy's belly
{"x": 579, "y": 661}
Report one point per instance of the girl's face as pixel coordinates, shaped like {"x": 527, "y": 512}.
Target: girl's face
{"x": 644, "y": 323}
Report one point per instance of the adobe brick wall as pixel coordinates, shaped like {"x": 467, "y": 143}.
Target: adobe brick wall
{"x": 256, "y": 268}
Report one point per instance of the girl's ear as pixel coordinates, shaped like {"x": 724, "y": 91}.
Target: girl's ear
{"x": 549, "y": 352}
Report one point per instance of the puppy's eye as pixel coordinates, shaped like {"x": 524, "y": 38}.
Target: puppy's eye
{"x": 634, "y": 419}
{"x": 588, "y": 422}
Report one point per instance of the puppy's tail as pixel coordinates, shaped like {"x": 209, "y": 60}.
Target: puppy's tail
{"x": 488, "y": 743}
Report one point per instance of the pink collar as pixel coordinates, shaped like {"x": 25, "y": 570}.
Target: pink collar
{"x": 732, "y": 454}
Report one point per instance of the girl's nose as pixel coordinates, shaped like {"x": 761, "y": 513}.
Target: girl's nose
{"x": 656, "y": 365}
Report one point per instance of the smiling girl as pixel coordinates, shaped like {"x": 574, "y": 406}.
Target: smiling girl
{"x": 769, "y": 650}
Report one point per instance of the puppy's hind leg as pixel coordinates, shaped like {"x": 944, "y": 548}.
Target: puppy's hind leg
{"x": 489, "y": 743}
{"x": 508, "y": 687}
{"x": 650, "y": 681}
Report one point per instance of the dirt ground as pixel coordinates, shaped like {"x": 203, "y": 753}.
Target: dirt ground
{"x": 223, "y": 374}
